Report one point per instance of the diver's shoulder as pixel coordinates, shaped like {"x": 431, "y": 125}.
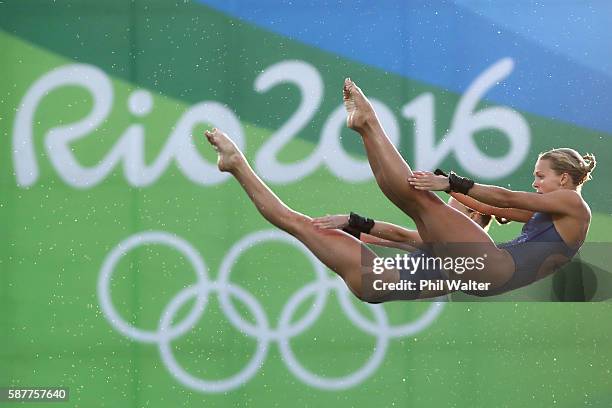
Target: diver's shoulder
{"x": 576, "y": 204}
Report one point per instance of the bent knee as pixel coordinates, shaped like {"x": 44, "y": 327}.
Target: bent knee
{"x": 360, "y": 294}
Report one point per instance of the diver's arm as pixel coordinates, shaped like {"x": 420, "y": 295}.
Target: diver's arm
{"x": 395, "y": 233}
{"x": 492, "y": 195}
{"x": 510, "y": 214}
{"x": 383, "y": 230}
{"x": 373, "y": 240}
{"x": 556, "y": 202}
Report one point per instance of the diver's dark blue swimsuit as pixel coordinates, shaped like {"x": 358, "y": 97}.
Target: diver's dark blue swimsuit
{"x": 538, "y": 241}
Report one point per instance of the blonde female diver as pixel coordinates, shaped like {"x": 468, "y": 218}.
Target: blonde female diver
{"x": 556, "y": 216}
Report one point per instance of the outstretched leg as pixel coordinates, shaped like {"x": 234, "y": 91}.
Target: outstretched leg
{"x": 438, "y": 223}
{"x": 339, "y": 251}
{"x": 390, "y": 169}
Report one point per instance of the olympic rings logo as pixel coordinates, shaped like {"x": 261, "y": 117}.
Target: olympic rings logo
{"x": 261, "y": 330}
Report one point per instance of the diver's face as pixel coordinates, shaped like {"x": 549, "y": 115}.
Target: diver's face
{"x": 546, "y": 179}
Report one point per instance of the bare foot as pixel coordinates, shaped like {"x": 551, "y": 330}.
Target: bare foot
{"x": 358, "y": 107}
{"x": 229, "y": 154}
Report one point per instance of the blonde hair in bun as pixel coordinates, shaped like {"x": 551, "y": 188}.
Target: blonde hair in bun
{"x": 566, "y": 160}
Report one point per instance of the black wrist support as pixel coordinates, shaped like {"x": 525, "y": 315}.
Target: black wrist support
{"x": 352, "y": 231}
{"x": 459, "y": 184}
{"x": 361, "y": 224}
{"x": 440, "y": 172}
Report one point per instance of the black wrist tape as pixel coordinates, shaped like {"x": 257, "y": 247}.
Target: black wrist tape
{"x": 440, "y": 172}
{"x": 352, "y": 231}
{"x": 360, "y": 223}
{"x": 459, "y": 184}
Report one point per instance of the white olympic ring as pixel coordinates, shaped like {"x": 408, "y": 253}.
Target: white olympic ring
{"x": 261, "y": 330}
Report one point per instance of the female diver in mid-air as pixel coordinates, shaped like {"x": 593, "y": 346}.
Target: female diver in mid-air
{"x": 557, "y": 218}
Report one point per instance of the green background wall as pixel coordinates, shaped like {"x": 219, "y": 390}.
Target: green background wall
{"x": 57, "y": 234}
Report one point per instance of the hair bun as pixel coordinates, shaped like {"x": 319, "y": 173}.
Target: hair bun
{"x": 588, "y": 165}
{"x": 589, "y": 158}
